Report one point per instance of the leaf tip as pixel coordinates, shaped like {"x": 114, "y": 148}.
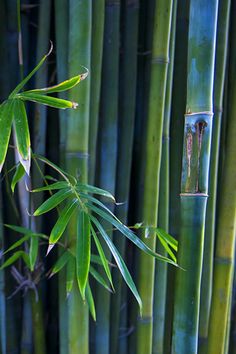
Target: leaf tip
{"x": 50, "y": 247}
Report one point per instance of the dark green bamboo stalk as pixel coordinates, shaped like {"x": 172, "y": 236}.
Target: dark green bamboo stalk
{"x": 107, "y": 149}
{"x": 98, "y": 15}
{"x": 195, "y": 170}
{"x": 127, "y": 95}
{"x": 159, "y": 306}
{"x": 160, "y": 58}
{"x": 61, "y": 31}
{"x": 3, "y": 335}
{"x": 206, "y": 286}
{"x": 226, "y": 223}
{"x": 77, "y": 151}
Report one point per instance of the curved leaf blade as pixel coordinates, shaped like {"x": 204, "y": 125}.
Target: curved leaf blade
{"x": 90, "y": 301}
{"x": 51, "y": 187}
{"x": 52, "y": 202}
{"x": 47, "y": 100}
{"x": 18, "y": 175}
{"x": 33, "y": 252}
{"x": 99, "y": 278}
{"x": 94, "y": 190}
{"x": 6, "y": 118}
{"x": 60, "y": 263}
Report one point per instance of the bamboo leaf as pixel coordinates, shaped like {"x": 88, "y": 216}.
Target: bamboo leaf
{"x": 60, "y": 263}
{"x": 22, "y": 134}
{"x": 6, "y": 117}
{"x": 129, "y": 234}
{"x": 19, "y": 173}
{"x": 90, "y": 301}
{"x": 103, "y": 259}
{"x": 70, "y": 275}
{"x": 17, "y": 243}
{"x": 119, "y": 261}
{"x": 25, "y": 231}
{"x": 167, "y": 238}
{"x": 83, "y": 251}
{"x": 63, "y": 86}
{"x": 52, "y": 202}
{"x": 14, "y": 258}
{"x": 50, "y": 187}
{"x": 99, "y": 278}
{"x": 47, "y": 100}
{"x": 28, "y": 77}
{"x": 95, "y": 190}
{"x": 62, "y": 222}
{"x": 33, "y": 252}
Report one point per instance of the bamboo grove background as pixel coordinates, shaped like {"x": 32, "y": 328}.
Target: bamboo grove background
{"x": 156, "y": 127}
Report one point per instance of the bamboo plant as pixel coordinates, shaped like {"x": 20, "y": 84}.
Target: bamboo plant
{"x": 195, "y": 172}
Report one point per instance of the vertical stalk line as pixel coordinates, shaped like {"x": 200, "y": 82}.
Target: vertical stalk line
{"x": 195, "y": 173}
{"x": 127, "y": 95}
{"x": 98, "y": 17}
{"x": 159, "y": 65}
{"x": 3, "y": 335}
{"x": 107, "y": 149}
{"x": 61, "y": 33}
{"x": 219, "y": 83}
{"x": 159, "y": 306}
{"x": 226, "y": 221}
{"x": 77, "y": 135}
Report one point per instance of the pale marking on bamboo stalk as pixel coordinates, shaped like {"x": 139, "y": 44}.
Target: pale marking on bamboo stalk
{"x": 160, "y": 60}
{"x": 200, "y": 126}
{"x": 189, "y": 149}
{"x": 199, "y": 113}
{"x": 20, "y": 52}
{"x": 223, "y": 260}
{"x": 78, "y": 154}
{"x": 197, "y": 194}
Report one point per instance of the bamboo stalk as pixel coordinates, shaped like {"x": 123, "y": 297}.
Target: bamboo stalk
{"x": 206, "y": 286}
{"x": 226, "y": 225}
{"x": 98, "y": 15}
{"x": 195, "y": 170}
{"x": 77, "y": 151}
{"x": 127, "y": 96}
{"x": 107, "y": 149}
{"x": 160, "y": 58}
{"x": 159, "y": 306}
{"x": 3, "y": 334}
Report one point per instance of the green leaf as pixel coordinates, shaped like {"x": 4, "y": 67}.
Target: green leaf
{"x": 33, "y": 251}
{"x": 6, "y": 117}
{"x": 119, "y": 261}
{"x": 103, "y": 259}
{"x": 22, "y": 134}
{"x": 90, "y": 301}
{"x": 21, "y": 241}
{"x": 47, "y": 100}
{"x": 129, "y": 234}
{"x": 168, "y": 238}
{"x": 52, "y": 202}
{"x": 83, "y": 251}
{"x": 60, "y": 263}
{"x": 28, "y": 77}
{"x": 96, "y": 201}
{"x": 63, "y": 86}
{"x": 50, "y": 187}
{"x": 14, "y": 258}
{"x": 70, "y": 275}
{"x": 62, "y": 222}
{"x": 95, "y": 190}
{"x": 99, "y": 278}
{"x": 19, "y": 173}
{"x": 25, "y": 231}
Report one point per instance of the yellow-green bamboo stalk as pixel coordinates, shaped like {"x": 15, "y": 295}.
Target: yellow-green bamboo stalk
{"x": 160, "y": 58}
{"x": 80, "y": 15}
{"x": 226, "y": 223}
{"x": 195, "y": 173}
{"x": 219, "y": 82}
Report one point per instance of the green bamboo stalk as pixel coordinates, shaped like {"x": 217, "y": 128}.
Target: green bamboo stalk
{"x": 226, "y": 224}
{"x": 127, "y": 96}
{"x": 3, "y": 334}
{"x": 38, "y": 325}
{"x": 206, "y": 286}
{"x": 195, "y": 170}
{"x": 77, "y": 151}
{"x": 98, "y": 16}
{"x": 61, "y": 32}
{"x": 159, "y": 306}
{"x": 107, "y": 149}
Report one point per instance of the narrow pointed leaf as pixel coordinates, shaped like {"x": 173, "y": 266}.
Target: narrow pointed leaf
{"x": 25, "y": 231}
{"x": 60, "y": 263}
{"x": 47, "y": 100}
{"x": 83, "y": 251}
{"x": 129, "y": 234}
{"x": 52, "y": 202}
{"x": 167, "y": 248}
{"x": 33, "y": 252}
{"x": 102, "y": 257}
{"x": 168, "y": 238}
{"x": 28, "y": 77}
{"x": 22, "y": 134}
{"x": 50, "y": 187}
{"x": 95, "y": 190}
{"x": 119, "y": 261}
{"x": 21, "y": 241}
{"x": 63, "y": 86}
{"x": 90, "y": 301}
{"x": 14, "y": 258}
{"x": 62, "y": 222}
{"x": 18, "y": 175}
{"x": 99, "y": 278}
{"x": 6, "y": 117}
